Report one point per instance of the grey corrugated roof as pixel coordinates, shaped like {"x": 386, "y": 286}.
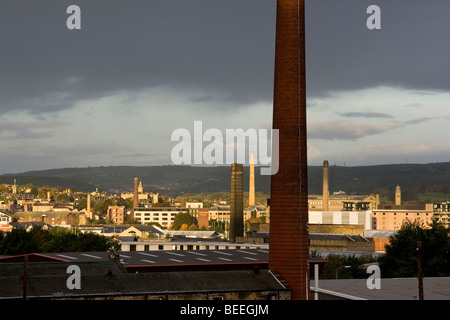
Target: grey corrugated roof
{"x": 165, "y": 257}
{"x": 143, "y": 283}
{"x": 391, "y": 289}
{"x": 330, "y": 236}
{"x": 379, "y": 233}
{"x": 170, "y": 257}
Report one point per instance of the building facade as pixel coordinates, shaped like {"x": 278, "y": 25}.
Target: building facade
{"x": 392, "y": 217}
{"x": 116, "y": 214}
{"x": 164, "y": 216}
{"x": 343, "y": 202}
{"x": 5, "y": 220}
{"x": 441, "y": 211}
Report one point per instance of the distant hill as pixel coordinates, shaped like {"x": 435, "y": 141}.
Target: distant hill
{"x": 175, "y": 180}
{"x": 167, "y": 180}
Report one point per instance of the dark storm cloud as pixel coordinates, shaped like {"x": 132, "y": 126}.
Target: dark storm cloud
{"x": 410, "y": 50}
{"x": 222, "y": 46}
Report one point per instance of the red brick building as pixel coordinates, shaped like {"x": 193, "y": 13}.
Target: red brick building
{"x": 116, "y": 214}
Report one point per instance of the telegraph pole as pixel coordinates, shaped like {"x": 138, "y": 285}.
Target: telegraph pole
{"x": 419, "y": 270}
{"x": 25, "y": 277}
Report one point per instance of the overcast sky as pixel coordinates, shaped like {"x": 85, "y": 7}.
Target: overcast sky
{"x": 113, "y": 92}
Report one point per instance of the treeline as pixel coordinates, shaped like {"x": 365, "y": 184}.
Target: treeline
{"x": 401, "y": 258}
{"x": 55, "y": 239}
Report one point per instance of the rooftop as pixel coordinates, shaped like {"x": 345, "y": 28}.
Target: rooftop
{"x": 391, "y": 289}
{"x": 145, "y": 273}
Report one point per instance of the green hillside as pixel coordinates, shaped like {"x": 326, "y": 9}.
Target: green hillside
{"x": 414, "y": 179}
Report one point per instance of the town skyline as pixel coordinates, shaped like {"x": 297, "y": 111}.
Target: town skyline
{"x": 113, "y": 92}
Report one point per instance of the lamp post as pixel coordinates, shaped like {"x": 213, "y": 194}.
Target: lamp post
{"x": 337, "y": 270}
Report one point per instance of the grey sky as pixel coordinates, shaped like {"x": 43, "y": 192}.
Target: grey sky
{"x": 112, "y": 92}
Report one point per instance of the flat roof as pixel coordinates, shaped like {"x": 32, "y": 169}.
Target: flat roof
{"x": 158, "y": 258}
{"x": 434, "y": 288}
{"x": 172, "y": 257}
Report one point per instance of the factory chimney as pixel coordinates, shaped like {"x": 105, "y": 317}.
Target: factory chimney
{"x": 398, "y": 196}
{"x": 251, "y": 189}
{"x": 289, "y": 239}
{"x": 135, "y": 197}
{"x": 237, "y": 202}
{"x": 88, "y": 206}
{"x": 325, "y": 192}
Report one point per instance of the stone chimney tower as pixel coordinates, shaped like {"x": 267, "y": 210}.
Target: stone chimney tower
{"x": 237, "y": 202}
{"x": 251, "y": 189}
{"x": 289, "y": 235}
{"x": 326, "y": 191}
{"x": 88, "y": 206}
{"x": 135, "y": 197}
{"x": 398, "y": 196}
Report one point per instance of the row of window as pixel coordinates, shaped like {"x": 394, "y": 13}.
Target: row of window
{"x": 163, "y": 219}
{"x": 406, "y": 213}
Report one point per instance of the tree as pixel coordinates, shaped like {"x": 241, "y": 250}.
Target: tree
{"x": 18, "y": 241}
{"x": 63, "y": 197}
{"x": 400, "y": 259}
{"x": 101, "y": 207}
{"x": 180, "y": 219}
{"x": 56, "y": 239}
{"x": 124, "y": 203}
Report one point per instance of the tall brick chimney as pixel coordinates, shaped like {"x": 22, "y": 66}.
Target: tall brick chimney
{"x": 289, "y": 240}
{"x": 237, "y": 202}
{"x": 325, "y": 191}
{"x": 251, "y": 188}
{"x": 398, "y": 196}
{"x": 88, "y": 206}
{"x": 135, "y": 197}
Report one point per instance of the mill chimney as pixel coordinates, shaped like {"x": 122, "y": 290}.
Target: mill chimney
{"x": 237, "y": 202}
